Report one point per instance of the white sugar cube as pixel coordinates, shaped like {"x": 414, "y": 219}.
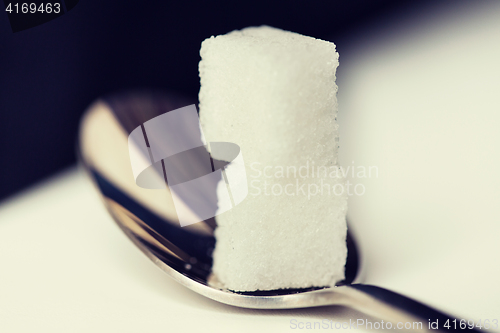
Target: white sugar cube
{"x": 273, "y": 93}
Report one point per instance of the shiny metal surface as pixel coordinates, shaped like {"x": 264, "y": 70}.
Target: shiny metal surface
{"x": 148, "y": 218}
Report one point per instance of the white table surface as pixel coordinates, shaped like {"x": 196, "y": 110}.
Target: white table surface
{"x": 420, "y": 103}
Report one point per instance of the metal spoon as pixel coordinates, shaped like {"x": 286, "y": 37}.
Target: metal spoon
{"x": 148, "y": 218}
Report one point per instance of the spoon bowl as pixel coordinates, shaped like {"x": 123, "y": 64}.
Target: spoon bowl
{"x": 148, "y": 218}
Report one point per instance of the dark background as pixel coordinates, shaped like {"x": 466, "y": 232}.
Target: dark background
{"x": 50, "y": 73}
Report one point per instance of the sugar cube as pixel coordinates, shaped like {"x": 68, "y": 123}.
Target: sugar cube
{"x": 273, "y": 93}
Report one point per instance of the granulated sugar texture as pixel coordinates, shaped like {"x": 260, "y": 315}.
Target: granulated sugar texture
{"x": 273, "y": 93}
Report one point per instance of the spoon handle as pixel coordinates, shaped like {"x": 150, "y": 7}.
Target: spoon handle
{"x": 388, "y": 305}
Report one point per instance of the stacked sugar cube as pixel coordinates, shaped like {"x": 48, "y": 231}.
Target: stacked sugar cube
{"x": 273, "y": 93}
